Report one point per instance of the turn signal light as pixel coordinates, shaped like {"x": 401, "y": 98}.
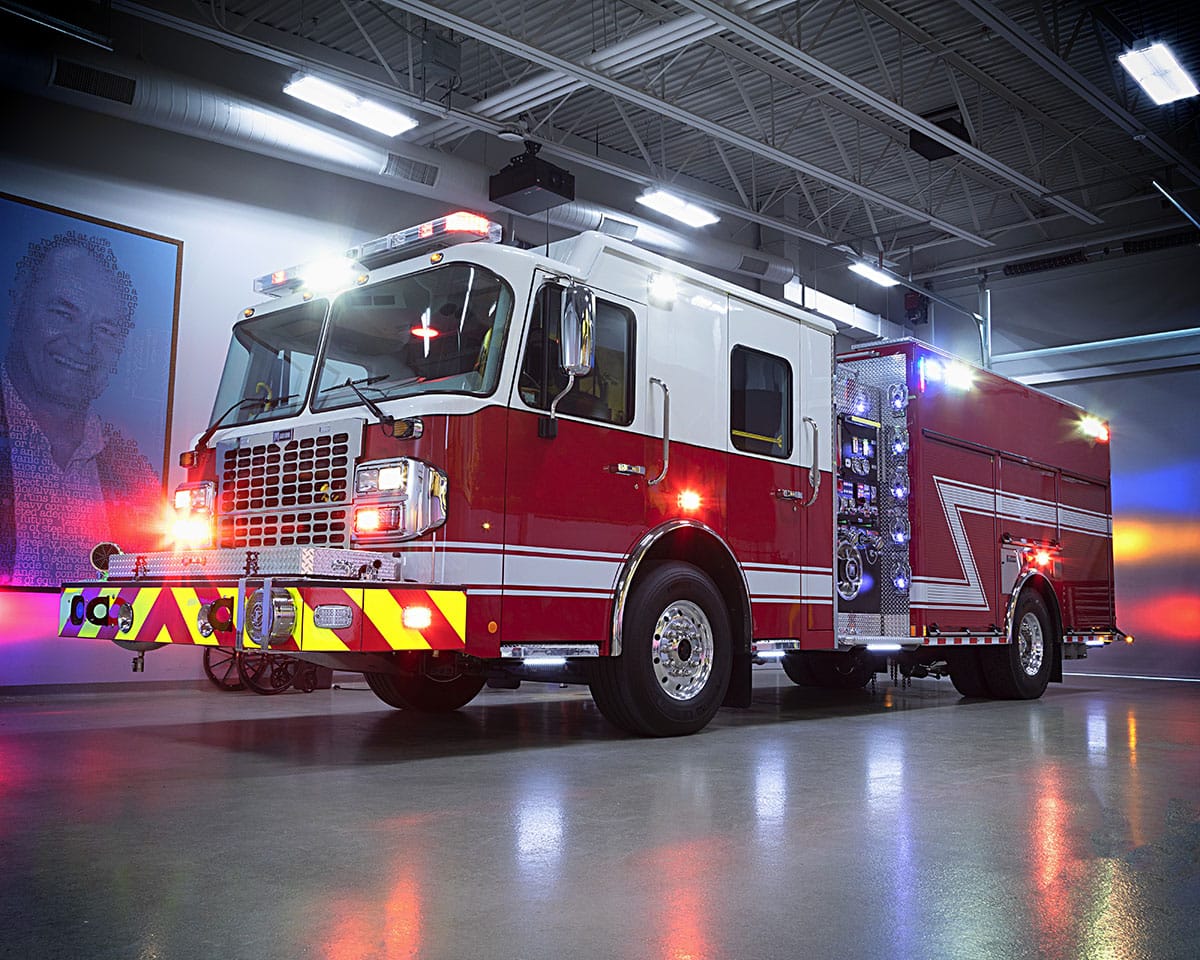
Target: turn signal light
{"x": 376, "y": 519}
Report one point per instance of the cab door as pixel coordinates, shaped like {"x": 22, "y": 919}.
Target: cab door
{"x": 575, "y": 491}
{"x": 768, "y": 489}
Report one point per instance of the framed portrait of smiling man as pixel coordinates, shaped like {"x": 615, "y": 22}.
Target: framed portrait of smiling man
{"x": 87, "y": 364}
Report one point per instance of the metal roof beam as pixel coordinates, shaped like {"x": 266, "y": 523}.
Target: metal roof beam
{"x": 626, "y": 54}
{"x": 812, "y": 65}
{"x": 287, "y": 50}
{"x": 1073, "y": 80}
{"x": 656, "y": 105}
{"x": 938, "y": 49}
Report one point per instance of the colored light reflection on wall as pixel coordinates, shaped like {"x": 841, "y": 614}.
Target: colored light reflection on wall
{"x": 1174, "y": 489}
{"x": 1169, "y": 616}
{"x": 1142, "y": 540}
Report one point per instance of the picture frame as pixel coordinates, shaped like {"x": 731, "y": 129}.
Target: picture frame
{"x": 88, "y": 334}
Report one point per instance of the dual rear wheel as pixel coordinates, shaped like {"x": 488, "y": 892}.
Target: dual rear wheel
{"x": 1019, "y": 670}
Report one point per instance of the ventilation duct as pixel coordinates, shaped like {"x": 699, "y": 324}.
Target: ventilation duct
{"x": 139, "y": 93}
{"x": 1045, "y": 263}
{"x": 98, "y": 83}
{"x": 1185, "y": 238}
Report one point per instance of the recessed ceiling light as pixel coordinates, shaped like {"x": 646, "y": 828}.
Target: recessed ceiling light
{"x": 1158, "y": 73}
{"x": 335, "y": 99}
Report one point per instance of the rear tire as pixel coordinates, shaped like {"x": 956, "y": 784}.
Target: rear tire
{"x": 422, "y": 693}
{"x": 676, "y": 656}
{"x": 1020, "y": 670}
{"x": 797, "y": 668}
{"x": 966, "y": 673}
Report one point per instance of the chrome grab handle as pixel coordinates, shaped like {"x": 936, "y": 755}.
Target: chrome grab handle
{"x": 666, "y": 432}
{"x": 814, "y": 472}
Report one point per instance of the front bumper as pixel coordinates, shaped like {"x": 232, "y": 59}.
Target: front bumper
{"x": 309, "y": 614}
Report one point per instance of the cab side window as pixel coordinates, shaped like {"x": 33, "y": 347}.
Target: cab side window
{"x": 760, "y": 403}
{"x": 605, "y": 394}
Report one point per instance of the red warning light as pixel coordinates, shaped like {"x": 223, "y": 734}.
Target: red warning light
{"x": 425, "y": 333}
{"x": 463, "y": 222}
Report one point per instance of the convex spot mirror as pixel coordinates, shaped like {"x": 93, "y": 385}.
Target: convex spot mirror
{"x": 577, "y": 347}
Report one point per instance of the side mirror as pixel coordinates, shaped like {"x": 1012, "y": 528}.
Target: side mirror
{"x": 577, "y": 348}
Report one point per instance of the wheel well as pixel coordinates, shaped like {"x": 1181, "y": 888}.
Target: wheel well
{"x": 704, "y": 550}
{"x": 1045, "y": 590}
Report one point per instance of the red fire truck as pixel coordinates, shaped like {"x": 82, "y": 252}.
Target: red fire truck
{"x": 475, "y": 464}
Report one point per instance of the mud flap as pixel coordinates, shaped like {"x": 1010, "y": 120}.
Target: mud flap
{"x": 740, "y": 682}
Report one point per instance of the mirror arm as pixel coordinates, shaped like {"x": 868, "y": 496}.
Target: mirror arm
{"x": 565, "y": 391}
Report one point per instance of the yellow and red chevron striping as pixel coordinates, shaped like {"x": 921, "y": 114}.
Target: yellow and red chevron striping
{"x": 170, "y": 614}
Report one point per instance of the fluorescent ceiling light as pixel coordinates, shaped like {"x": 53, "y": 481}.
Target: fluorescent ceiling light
{"x": 875, "y": 276}
{"x": 1158, "y": 73}
{"x": 677, "y": 208}
{"x": 335, "y": 99}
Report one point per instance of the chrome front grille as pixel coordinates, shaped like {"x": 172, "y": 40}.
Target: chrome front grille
{"x": 287, "y": 488}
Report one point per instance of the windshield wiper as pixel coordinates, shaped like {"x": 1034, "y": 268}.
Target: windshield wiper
{"x": 264, "y": 402}
{"x": 370, "y": 404}
{"x": 360, "y": 382}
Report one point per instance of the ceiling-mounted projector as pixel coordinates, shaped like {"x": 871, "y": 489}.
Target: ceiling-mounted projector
{"x": 530, "y": 184}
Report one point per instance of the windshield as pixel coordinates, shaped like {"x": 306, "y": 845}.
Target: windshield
{"x": 439, "y": 331}
{"x": 270, "y": 358}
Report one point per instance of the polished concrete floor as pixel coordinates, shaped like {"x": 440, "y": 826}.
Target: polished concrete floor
{"x": 899, "y": 823}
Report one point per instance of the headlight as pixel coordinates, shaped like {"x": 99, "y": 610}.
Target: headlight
{"x": 388, "y": 478}
{"x": 398, "y": 500}
{"x": 193, "y": 497}
{"x": 193, "y": 526}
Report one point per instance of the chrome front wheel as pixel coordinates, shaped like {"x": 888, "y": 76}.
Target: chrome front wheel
{"x": 676, "y": 655}
{"x": 682, "y": 650}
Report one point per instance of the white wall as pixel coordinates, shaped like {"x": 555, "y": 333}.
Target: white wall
{"x": 239, "y": 216}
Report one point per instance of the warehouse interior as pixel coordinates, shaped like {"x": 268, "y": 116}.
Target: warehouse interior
{"x": 1036, "y": 212}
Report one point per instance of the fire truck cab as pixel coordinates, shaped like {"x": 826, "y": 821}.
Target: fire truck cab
{"x": 454, "y": 464}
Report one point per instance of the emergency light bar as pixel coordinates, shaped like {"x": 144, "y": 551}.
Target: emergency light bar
{"x": 955, "y": 375}
{"x": 459, "y": 227}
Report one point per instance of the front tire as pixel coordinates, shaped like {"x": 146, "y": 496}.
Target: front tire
{"x": 422, "y": 693}
{"x": 1020, "y": 670}
{"x": 676, "y": 659}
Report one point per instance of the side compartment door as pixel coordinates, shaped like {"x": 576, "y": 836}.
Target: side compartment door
{"x": 574, "y": 503}
{"x": 1085, "y": 519}
{"x": 816, "y": 427}
{"x": 955, "y": 560}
